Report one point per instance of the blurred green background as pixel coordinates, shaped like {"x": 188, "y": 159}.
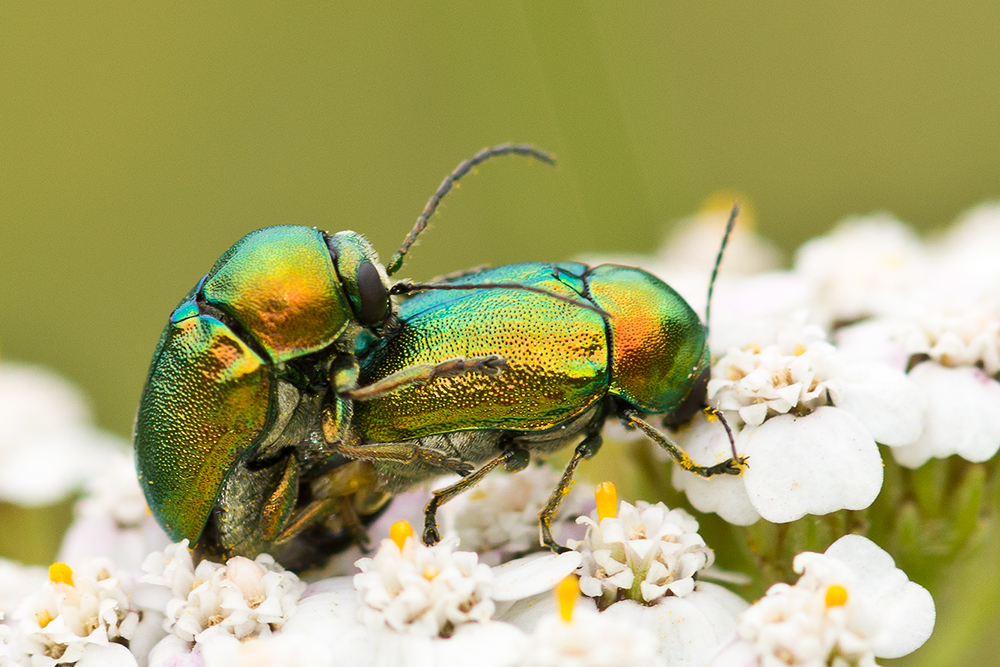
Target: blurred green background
{"x": 139, "y": 140}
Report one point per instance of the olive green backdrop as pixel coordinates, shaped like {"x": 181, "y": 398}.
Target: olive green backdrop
{"x": 139, "y": 140}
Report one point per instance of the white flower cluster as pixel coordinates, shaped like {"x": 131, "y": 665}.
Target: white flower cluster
{"x": 48, "y": 446}
{"x": 112, "y": 520}
{"x": 428, "y": 591}
{"x": 73, "y": 612}
{"x": 243, "y": 598}
{"x": 850, "y": 606}
{"x": 874, "y": 337}
{"x": 591, "y": 639}
{"x": 930, "y": 309}
{"x": 643, "y": 553}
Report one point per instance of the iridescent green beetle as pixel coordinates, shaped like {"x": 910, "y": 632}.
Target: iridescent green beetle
{"x": 642, "y": 349}
{"x": 229, "y": 447}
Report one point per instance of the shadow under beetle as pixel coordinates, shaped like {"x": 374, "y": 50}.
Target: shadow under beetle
{"x": 641, "y": 350}
{"x": 231, "y": 449}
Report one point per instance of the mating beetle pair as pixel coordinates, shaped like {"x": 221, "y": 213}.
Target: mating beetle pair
{"x": 288, "y": 398}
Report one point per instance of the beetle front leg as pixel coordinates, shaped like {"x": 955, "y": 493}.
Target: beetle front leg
{"x": 731, "y": 466}
{"x": 421, "y": 374}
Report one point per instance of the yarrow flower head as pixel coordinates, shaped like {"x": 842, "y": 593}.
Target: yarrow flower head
{"x": 953, "y": 358}
{"x": 243, "y": 598}
{"x": 808, "y": 418}
{"x": 428, "y": 591}
{"x": 74, "y": 612}
{"x": 639, "y": 552}
{"x": 850, "y": 606}
{"x": 48, "y": 446}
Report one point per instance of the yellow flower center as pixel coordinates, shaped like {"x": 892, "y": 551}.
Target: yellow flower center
{"x": 836, "y": 596}
{"x": 399, "y": 531}
{"x": 60, "y": 573}
{"x": 607, "y": 501}
{"x": 567, "y": 591}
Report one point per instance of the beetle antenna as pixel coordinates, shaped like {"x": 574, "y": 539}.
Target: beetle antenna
{"x": 461, "y": 170}
{"x": 718, "y": 260}
{"x": 409, "y": 288}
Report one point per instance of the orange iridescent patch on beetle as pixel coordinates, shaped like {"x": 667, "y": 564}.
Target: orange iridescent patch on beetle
{"x": 280, "y": 285}
{"x": 657, "y": 340}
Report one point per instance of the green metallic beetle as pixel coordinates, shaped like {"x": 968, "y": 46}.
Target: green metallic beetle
{"x": 642, "y": 349}
{"x": 231, "y": 449}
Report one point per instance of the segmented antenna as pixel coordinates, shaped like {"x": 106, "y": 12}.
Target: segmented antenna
{"x": 718, "y": 260}
{"x": 461, "y": 170}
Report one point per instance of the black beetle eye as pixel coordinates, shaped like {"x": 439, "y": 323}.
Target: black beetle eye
{"x": 374, "y": 295}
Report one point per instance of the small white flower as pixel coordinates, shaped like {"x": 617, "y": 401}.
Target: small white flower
{"x": 808, "y": 418}
{"x": 955, "y": 358}
{"x": 275, "y": 650}
{"x": 6, "y": 651}
{"x": 243, "y": 598}
{"x": 850, "y": 606}
{"x": 74, "y": 611}
{"x": 423, "y": 590}
{"x": 48, "y": 446}
{"x": 499, "y": 518}
{"x": 339, "y": 612}
{"x": 863, "y": 268}
{"x": 643, "y": 553}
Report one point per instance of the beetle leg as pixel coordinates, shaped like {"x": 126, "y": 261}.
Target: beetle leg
{"x": 307, "y": 516}
{"x": 514, "y": 460}
{"x": 421, "y": 374}
{"x": 350, "y": 491}
{"x": 586, "y": 449}
{"x": 405, "y": 453}
{"x": 732, "y": 466}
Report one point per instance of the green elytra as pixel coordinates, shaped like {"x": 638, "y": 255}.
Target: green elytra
{"x": 643, "y": 350}
{"x": 229, "y": 449}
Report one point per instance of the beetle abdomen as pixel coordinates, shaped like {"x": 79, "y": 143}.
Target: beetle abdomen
{"x": 556, "y": 353}
{"x": 207, "y": 398}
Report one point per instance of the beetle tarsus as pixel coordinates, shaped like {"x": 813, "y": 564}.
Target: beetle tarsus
{"x": 731, "y": 466}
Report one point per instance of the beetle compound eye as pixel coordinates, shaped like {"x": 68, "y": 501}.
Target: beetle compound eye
{"x": 374, "y": 295}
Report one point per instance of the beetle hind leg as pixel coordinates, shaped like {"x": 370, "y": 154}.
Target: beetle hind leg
{"x": 586, "y": 449}
{"x": 514, "y": 460}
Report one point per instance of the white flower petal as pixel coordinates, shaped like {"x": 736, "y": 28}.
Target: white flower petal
{"x": 883, "y": 399}
{"x": 817, "y": 464}
{"x": 531, "y": 575}
{"x": 963, "y": 411}
{"x": 723, "y": 494}
{"x": 906, "y": 609}
{"x": 686, "y": 635}
{"x": 111, "y": 655}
